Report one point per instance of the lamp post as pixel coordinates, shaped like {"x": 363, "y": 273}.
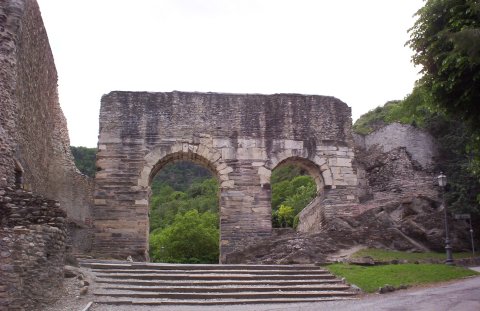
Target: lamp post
{"x": 442, "y": 182}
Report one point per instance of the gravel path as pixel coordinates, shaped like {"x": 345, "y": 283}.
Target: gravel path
{"x": 70, "y": 300}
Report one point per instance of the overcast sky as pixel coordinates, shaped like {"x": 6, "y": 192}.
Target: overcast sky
{"x": 353, "y": 50}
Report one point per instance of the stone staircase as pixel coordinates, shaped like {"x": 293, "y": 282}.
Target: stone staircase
{"x": 125, "y": 283}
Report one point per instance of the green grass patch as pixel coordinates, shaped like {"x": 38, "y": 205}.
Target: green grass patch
{"x": 370, "y": 278}
{"x": 387, "y": 255}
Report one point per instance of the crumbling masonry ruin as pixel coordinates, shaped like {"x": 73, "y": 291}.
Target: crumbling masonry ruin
{"x": 240, "y": 138}
{"x": 39, "y": 184}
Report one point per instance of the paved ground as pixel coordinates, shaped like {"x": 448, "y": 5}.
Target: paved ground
{"x": 461, "y": 295}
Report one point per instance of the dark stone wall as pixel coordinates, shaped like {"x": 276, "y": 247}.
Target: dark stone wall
{"x": 33, "y": 129}
{"x": 35, "y": 160}
{"x": 240, "y": 137}
{"x": 10, "y": 22}
{"x": 32, "y": 249}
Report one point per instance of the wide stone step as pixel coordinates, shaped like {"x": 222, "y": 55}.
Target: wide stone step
{"x": 202, "y": 302}
{"x": 126, "y": 283}
{"x": 215, "y": 295}
{"x": 187, "y": 276}
{"x": 224, "y": 289}
{"x": 216, "y": 271}
{"x": 164, "y": 266}
{"x": 277, "y": 283}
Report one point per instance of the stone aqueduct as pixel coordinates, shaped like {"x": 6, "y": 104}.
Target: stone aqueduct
{"x": 241, "y": 138}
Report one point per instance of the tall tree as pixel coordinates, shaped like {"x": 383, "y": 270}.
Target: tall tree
{"x": 446, "y": 43}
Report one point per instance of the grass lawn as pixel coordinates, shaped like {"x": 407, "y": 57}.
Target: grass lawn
{"x": 386, "y": 255}
{"x": 370, "y": 278}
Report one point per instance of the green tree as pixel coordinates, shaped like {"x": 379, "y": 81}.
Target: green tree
{"x": 285, "y": 216}
{"x": 166, "y": 203}
{"x": 292, "y": 188}
{"x": 191, "y": 238}
{"x": 446, "y": 43}
{"x": 85, "y": 159}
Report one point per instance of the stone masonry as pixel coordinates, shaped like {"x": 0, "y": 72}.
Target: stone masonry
{"x": 39, "y": 183}
{"x": 418, "y": 143}
{"x": 32, "y": 249}
{"x": 34, "y": 140}
{"x": 241, "y": 138}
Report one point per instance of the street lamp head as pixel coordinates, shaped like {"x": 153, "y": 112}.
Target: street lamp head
{"x": 442, "y": 180}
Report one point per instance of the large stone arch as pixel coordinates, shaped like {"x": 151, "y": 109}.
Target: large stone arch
{"x": 159, "y": 157}
{"x": 241, "y": 138}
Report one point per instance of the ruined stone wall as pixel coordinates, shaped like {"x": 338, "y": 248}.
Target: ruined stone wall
{"x": 33, "y": 130}
{"x": 10, "y": 21}
{"x": 241, "y": 138}
{"x": 418, "y": 143}
{"x": 32, "y": 249}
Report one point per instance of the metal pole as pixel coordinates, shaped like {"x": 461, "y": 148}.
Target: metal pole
{"x": 471, "y": 236}
{"x": 448, "y": 248}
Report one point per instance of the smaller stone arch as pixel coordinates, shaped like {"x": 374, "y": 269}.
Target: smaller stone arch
{"x": 312, "y": 168}
{"x": 317, "y": 168}
{"x": 322, "y": 176}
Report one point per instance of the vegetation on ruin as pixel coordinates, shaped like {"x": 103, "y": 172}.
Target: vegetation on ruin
{"x": 371, "y": 278}
{"x": 389, "y": 255}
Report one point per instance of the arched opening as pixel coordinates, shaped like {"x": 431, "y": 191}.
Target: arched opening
{"x": 295, "y": 183}
{"x": 183, "y": 211}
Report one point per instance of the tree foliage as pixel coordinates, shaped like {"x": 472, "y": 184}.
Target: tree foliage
{"x": 285, "y": 216}
{"x": 446, "y": 42}
{"x": 191, "y": 238}
{"x": 290, "y": 189}
{"x": 184, "y": 215}
{"x": 180, "y": 175}
{"x": 166, "y": 202}
{"x": 85, "y": 159}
